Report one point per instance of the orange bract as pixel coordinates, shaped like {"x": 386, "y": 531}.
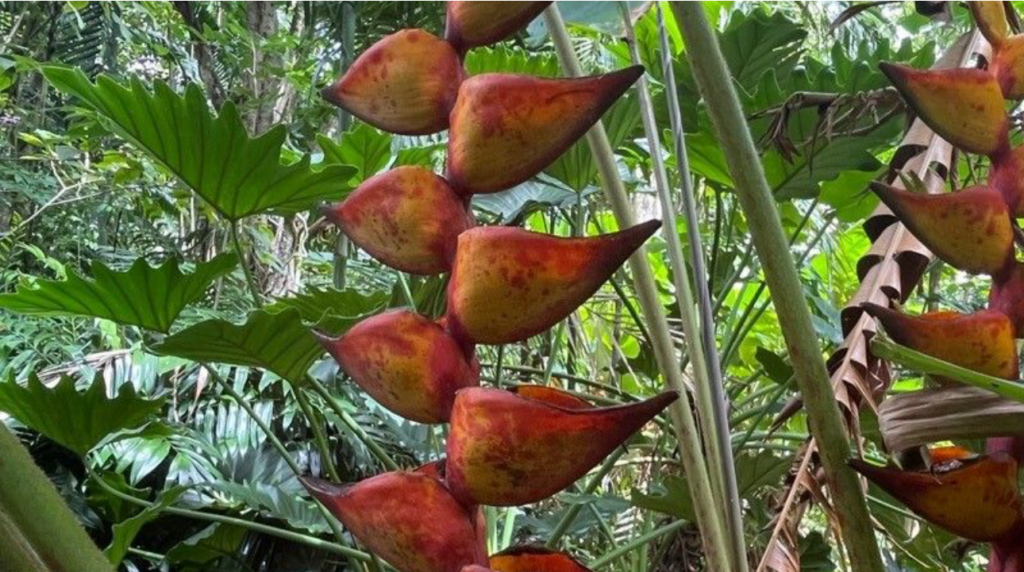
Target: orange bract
{"x": 979, "y": 500}
{"x": 970, "y": 229}
{"x": 509, "y": 284}
{"x": 473, "y": 24}
{"x": 405, "y": 83}
{"x": 409, "y": 364}
{"x": 507, "y": 128}
{"x": 964, "y": 106}
{"x": 408, "y": 218}
{"x": 534, "y": 559}
{"x": 408, "y": 519}
{"x": 507, "y": 450}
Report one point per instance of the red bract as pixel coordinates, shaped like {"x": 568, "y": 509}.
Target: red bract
{"x": 408, "y": 218}
{"x": 982, "y": 341}
{"x": 505, "y": 449}
{"x": 405, "y": 83}
{"x": 408, "y": 519}
{"x": 506, "y": 128}
{"x": 509, "y": 284}
{"x": 534, "y": 559}
{"x": 964, "y": 106}
{"x": 970, "y": 229}
{"x": 472, "y": 24}
{"x": 1007, "y": 295}
{"x": 976, "y": 499}
{"x": 409, "y": 364}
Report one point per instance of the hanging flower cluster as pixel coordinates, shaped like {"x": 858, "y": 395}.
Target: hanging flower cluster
{"x": 976, "y": 497}
{"x": 505, "y": 447}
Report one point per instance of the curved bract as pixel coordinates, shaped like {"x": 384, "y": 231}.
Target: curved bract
{"x": 1008, "y": 66}
{"x": 963, "y": 106}
{"x": 991, "y": 20}
{"x": 1007, "y": 295}
{"x": 408, "y": 218}
{"x": 472, "y": 24}
{"x": 534, "y": 559}
{"x": 406, "y": 362}
{"x": 976, "y": 499}
{"x": 970, "y": 229}
{"x": 1007, "y": 176}
{"x": 506, "y": 128}
{"x": 509, "y": 284}
{"x": 982, "y": 341}
{"x": 407, "y": 518}
{"x": 504, "y": 449}
{"x": 405, "y": 83}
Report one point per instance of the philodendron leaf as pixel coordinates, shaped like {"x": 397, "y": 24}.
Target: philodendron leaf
{"x": 143, "y": 296}
{"x": 278, "y": 342}
{"x": 332, "y": 311}
{"x": 76, "y": 420}
{"x": 125, "y": 532}
{"x": 238, "y": 175}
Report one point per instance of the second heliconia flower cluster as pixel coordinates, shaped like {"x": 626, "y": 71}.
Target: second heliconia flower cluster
{"x": 505, "y": 447}
{"x": 972, "y": 230}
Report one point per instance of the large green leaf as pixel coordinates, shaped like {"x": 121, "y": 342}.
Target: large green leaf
{"x": 332, "y": 311}
{"x": 238, "y": 175}
{"x": 278, "y": 342}
{"x": 76, "y": 420}
{"x": 365, "y": 148}
{"x": 143, "y": 296}
{"x": 126, "y": 531}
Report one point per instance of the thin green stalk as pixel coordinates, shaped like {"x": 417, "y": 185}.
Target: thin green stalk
{"x": 353, "y": 425}
{"x": 38, "y": 532}
{"x": 406, "y": 292}
{"x": 289, "y": 535}
{"x": 574, "y": 511}
{"x": 254, "y": 291}
{"x": 318, "y": 434}
{"x": 274, "y": 441}
{"x": 755, "y": 196}
{"x": 498, "y": 365}
{"x": 716, "y": 548}
{"x": 637, "y": 542}
{"x": 887, "y": 350}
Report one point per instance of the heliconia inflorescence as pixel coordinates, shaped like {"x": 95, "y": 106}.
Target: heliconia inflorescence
{"x": 976, "y": 497}
{"x": 506, "y": 446}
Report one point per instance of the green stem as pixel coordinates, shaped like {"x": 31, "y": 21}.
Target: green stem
{"x": 38, "y": 533}
{"x": 716, "y": 548}
{"x": 353, "y": 426}
{"x": 637, "y": 542}
{"x": 755, "y": 196}
{"x": 498, "y": 365}
{"x": 289, "y": 535}
{"x": 318, "y": 434}
{"x": 254, "y": 291}
{"x": 924, "y": 363}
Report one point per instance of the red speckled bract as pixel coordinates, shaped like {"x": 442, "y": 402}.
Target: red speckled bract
{"x": 506, "y": 128}
{"x": 1007, "y": 295}
{"x": 509, "y": 284}
{"x": 977, "y": 499}
{"x": 408, "y": 218}
{"x": 505, "y": 450}
{"x": 472, "y": 24}
{"x": 970, "y": 229}
{"x": 405, "y": 83}
{"x": 406, "y": 362}
{"x": 982, "y": 341}
{"x": 534, "y": 559}
{"x": 409, "y": 519}
{"x": 963, "y": 106}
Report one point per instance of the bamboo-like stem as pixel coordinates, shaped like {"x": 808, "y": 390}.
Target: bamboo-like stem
{"x": 716, "y": 548}
{"x": 714, "y": 407}
{"x": 254, "y": 291}
{"x": 716, "y": 86}
{"x": 38, "y": 533}
{"x": 319, "y": 436}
